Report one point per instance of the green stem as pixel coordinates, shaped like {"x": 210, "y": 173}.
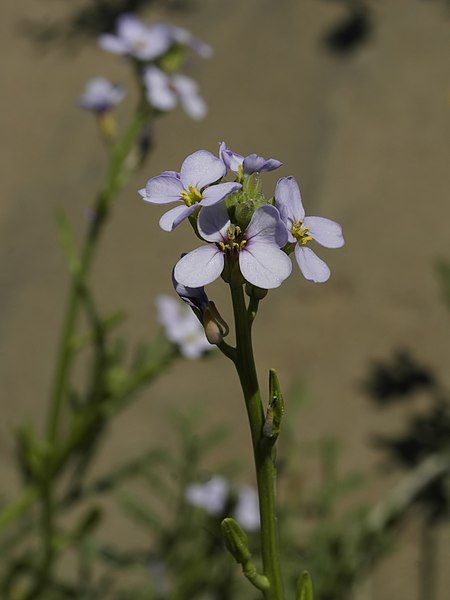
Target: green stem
{"x": 45, "y": 570}
{"x": 263, "y": 453}
{"x": 115, "y": 180}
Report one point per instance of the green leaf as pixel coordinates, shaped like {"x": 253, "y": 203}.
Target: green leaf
{"x": 304, "y": 587}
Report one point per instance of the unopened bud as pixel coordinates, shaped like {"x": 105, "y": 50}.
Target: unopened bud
{"x": 244, "y": 212}
{"x": 236, "y": 540}
{"x": 255, "y": 292}
{"x": 215, "y": 326}
{"x": 304, "y": 587}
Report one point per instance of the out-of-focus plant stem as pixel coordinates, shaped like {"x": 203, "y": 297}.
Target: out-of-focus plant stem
{"x": 117, "y": 174}
{"x": 80, "y": 430}
{"x": 263, "y": 453}
{"x": 17, "y": 508}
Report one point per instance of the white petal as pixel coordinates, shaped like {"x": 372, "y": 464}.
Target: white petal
{"x": 247, "y": 508}
{"x": 201, "y": 168}
{"x": 195, "y": 106}
{"x": 168, "y": 309}
{"x": 217, "y": 193}
{"x": 213, "y": 223}
{"x": 153, "y": 44}
{"x": 231, "y": 160}
{"x": 266, "y": 225}
{"x": 184, "y": 85}
{"x": 130, "y": 28}
{"x": 264, "y": 265}
{"x": 163, "y": 190}
{"x": 200, "y": 267}
{"x": 312, "y": 267}
{"x": 158, "y": 90}
{"x": 112, "y": 43}
{"x": 187, "y": 90}
{"x": 325, "y": 231}
{"x": 173, "y": 217}
{"x": 288, "y": 200}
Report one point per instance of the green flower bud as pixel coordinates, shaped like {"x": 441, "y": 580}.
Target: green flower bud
{"x": 236, "y": 540}
{"x": 243, "y": 213}
{"x": 304, "y": 587}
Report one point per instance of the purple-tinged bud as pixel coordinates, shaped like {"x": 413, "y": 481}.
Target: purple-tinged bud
{"x": 196, "y": 298}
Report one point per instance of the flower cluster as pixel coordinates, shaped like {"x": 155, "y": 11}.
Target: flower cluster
{"x": 158, "y": 51}
{"x": 248, "y": 237}
{"x": 215, "y": 496}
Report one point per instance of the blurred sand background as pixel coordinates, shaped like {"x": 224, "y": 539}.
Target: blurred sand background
{"x": 367, "y": 137}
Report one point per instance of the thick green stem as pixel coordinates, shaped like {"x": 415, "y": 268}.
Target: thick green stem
{"x": 263, "y": 452}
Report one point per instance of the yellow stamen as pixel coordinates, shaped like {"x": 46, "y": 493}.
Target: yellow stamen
{"x": 300, "y": 232}
{"x": 191, "y": 195}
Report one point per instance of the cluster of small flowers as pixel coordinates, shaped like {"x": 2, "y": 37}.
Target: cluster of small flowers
{"x": 215, "y": 495}
{"x": 148, "y": 46}
{"x": 247, "y": 235}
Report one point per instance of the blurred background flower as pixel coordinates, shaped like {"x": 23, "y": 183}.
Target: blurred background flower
{"x": 353, "y": 98}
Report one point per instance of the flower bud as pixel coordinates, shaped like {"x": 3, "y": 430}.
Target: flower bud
{"x": 236, "y": 540}
{"x": 236, "y": 543}
{"x": 304, "y": 587}
{"x": 215, "y": 326}
{"x": 243, "y": 213}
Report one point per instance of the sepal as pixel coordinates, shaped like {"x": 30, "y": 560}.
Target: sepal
{"x": 275, "y": 409}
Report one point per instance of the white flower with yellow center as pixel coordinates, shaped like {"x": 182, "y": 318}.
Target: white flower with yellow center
{"x": 302, "y": 230}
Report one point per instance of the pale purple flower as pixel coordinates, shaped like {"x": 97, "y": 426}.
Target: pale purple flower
{"x": 246, "y": 511}
{"x": 212, "y": 496}
{"x": 100, "y": 95}
{"x": 135, "y": 38}
{"x": 164, "y": 92}
{"x": 182, "y": 327}
{"x": 185, "y": 38}
{"x": 302, "y": 230}
{"x": 257, "y": 249}
{"x": 249, "y": 164}
{"x": 191, "y": 187}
